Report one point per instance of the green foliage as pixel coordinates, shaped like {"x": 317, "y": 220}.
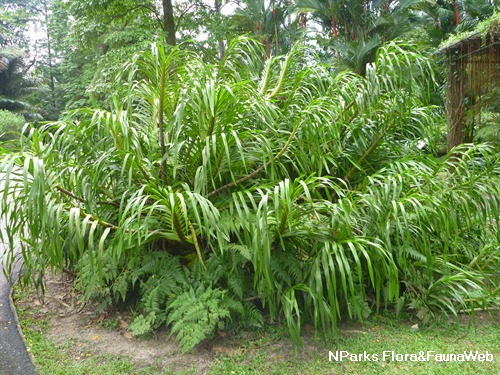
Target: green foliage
{"x": 352, "y": 31}
{"x": 142, "y": 325}
{"x": 11, "y": 124}
{"x": 14, "y": 18}
{"x": 489, "y": 23}
{"x": 206, "y": 187}
{"x": 16, "y": 84}
{"x": 197, "y": 313}
{"x": 487, "y": 129}
{"x": 269, "y": 22}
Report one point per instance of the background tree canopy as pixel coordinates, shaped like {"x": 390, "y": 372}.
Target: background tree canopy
{"x": 212, "y": 180}
{"x": 80, "y": 45}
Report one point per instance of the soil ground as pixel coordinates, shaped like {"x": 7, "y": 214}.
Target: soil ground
{"x": 84, "y": 332}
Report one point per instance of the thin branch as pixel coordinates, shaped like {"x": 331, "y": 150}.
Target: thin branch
{"x": 257, "y": 170}
{"x": 364, "y": 156}
{"x": 70, "y": 194}
{"x": 182, "y": 15}
{"x": 351, "y": 119}
{"x": 102, "y": 223}
{"x": 85, "y": 214}
{"x": 80, "y": 199}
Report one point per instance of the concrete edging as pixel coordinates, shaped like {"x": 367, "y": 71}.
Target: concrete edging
{"x": 16, "y": 319}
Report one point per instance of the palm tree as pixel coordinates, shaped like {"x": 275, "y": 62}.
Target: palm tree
{"x": 475, "y": 11}
{"x": 451, "y": 16}
{"x": 327, "y": 11}
{"x": 267, "y": 22}
{"x": 358, "y": 28}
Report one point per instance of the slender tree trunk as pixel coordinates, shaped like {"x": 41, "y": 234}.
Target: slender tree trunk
{"x": 365, "y": 18}
{"x": 276, "y": 31}
{"x": 168, "y": 20}
{"x": 49, "y": 56}
{"x": 222, "y": 47}
{"x": 347, "y": 30}
{"x": 386, "y": 7}
{"x": 334, "y": 27}
{"x": 303, "y": 20}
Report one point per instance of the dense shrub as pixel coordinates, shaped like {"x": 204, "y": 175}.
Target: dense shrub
{"x": 11, "y": 124}
{"x": 217, "y": 195}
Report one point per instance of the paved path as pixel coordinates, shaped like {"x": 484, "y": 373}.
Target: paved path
{"x": 14, "y": 359}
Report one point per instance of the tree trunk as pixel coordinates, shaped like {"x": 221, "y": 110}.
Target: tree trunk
{"x": 49, "y": 56}
{"x": 168, "y": 21}
{"x": 222, "y": 47}
{"x": 334, "y": 27}
{"x": 276, "y": 31}
{"x": 303, "y": 20}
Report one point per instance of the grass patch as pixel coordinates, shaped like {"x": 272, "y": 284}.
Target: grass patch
{"x": 375, "y": 337}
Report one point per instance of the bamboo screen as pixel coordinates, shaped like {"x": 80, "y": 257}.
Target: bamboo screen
{"x": 473, "y": 71}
